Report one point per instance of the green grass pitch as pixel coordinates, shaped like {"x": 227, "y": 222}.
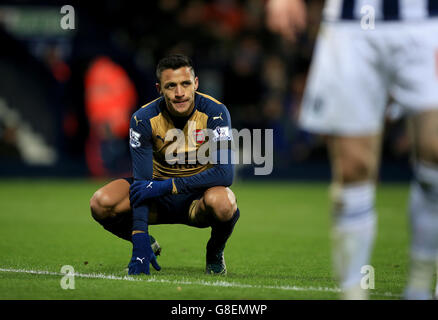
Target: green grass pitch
{"x": 280, "y": 248}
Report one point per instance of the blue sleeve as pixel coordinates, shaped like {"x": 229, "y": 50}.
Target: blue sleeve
{"x": 218, "y": 175}
{"x": 140, "y": 146}
{"x": 221, "y": 174}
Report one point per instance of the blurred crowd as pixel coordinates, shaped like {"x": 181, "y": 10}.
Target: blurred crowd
{"x": 103, "y": 69}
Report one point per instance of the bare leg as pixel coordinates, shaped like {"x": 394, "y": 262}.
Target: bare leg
{"x": 110, "y": 200}
{"x": 354, "y": 163}
{"x": 424, "y": 206}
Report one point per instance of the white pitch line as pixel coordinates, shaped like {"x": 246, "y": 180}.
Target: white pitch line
{"x": 218, "y": 283}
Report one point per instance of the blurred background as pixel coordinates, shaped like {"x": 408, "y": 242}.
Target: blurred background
{"x": 66, "y": 95}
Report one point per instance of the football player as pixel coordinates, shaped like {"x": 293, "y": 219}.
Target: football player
{"x": 366, "y": 51}
{"x": 169, "y": 184}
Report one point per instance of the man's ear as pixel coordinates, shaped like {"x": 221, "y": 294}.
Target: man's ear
{"x": 157, "y": 85}
{"x": 196, "y": 83}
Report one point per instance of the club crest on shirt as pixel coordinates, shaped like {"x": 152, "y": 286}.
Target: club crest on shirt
{"x": 199, "y": 136}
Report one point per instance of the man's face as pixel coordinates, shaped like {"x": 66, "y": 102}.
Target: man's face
{"x": 178, "y": 88}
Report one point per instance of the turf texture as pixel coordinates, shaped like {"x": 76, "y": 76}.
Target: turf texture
{"x": 280, "y": 248}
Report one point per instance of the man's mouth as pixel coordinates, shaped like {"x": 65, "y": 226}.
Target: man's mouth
{"x": 180, "y": 103}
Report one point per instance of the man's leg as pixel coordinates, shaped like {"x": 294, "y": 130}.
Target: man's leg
{"x": 110, "y": 207}
{"x": 218, "y": 209}
{"x": 354, "y": 163}
{"x": 424, "y": 206}
{"x": 436, "y": 285}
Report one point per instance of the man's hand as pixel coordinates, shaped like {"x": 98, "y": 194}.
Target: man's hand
{"x": 286, "y": 17}
{"x": 146, "y": 189}
{"x": 142, "y": 255}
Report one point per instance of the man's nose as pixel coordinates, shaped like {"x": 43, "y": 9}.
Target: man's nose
{"x": 179, "y": 92}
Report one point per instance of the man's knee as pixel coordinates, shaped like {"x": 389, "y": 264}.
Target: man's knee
{"x": 354, "y": 159}
{"x": 425, "y": 137}
{"x": 221, "y": 202}
{"x": 110, "y": 200}
{"x": 101, "y": 205}
{"x": 427, "y": 151}
{"x": 356, "y": 168}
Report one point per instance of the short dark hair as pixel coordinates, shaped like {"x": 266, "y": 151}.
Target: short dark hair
{"x": 173, "y": 61}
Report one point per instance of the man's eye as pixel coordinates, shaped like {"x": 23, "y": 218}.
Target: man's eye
{"x": 170, "y": 86}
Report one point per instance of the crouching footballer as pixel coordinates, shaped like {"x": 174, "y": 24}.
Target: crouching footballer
{"x": 168, "y": 192}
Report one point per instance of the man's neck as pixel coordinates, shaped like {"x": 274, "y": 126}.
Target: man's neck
{"x": 180, "y": 120}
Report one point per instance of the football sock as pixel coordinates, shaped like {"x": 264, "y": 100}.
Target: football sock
{"x": 424, "y": 229}
{"x": 353, "y": 231}
{"x": 420, "y": 279}
{"x": 220, "y": 232}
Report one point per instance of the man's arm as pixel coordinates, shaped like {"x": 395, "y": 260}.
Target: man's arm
{"x": 219, "y": 175}
{"x": 140, "y": 146}
{"x": 141, "y": 154}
